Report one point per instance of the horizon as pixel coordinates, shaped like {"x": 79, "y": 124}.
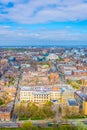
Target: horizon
{"x": 44, "y": 46}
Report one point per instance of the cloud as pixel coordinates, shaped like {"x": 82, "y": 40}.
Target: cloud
{"x": 44, "y": 11}
{"x": 20, "y": 34}
{"x": 26, "y": 12}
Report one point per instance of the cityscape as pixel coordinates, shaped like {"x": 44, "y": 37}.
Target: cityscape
{"x": 43, "y": 64}
{"x": 43, "y": 85}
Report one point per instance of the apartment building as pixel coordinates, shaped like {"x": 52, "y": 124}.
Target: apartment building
{"x": 38, "y": 94}
{"x": 45, "y": 93}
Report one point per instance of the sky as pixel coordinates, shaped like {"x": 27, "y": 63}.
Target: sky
{"x": 43, "y": 22}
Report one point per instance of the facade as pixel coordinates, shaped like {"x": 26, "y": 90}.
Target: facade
{"x": 67, "y": 94}
{"x": 38, "y": 94}
{"x": 55, "y": 95}
{"x": 85, "y": 107}
{"x": 41, "y": 97}
{"x": 84, "y": 82}
{"x": 6, "y": 112}
{"x": 73, "y": 106}
{"x": 43, "y": 94}
{"x": 26, "y": 94}
{"x": 5, "y": 116}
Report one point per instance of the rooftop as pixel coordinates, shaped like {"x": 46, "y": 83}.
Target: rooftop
{"x": 82, "y": 95}
{"x": 72, "y": 102}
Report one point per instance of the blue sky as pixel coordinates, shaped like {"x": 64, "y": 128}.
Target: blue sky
{"x": 42, "y": 22}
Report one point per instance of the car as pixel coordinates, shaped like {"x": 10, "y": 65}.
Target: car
{"x": 51, "y": 124}
{"x": 84, "y": 122}
{"x": 73, "y": 123}
{"x": 20, "y": 125}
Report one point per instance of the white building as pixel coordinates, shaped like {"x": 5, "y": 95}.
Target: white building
{"x": 52, "y": 57}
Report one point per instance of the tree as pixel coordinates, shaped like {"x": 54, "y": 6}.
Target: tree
{"x": 81, "y": 126}
{"x": 31, "y": 110}
{"x": 60, "y": 110}
{"x": 49, "y": 103}
{"x": 79, "y": 82}
{"x": 21, "y": 110}
{"x": 27, "y": 126}
{"x": 1, "y": 102}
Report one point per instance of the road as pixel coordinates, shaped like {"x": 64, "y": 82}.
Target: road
{"x": 8, "y": 125}
{"x": 14, "y": 115}
{"x": 11, "y": 124}
{"x": 56, "y": 104}
{"x": 42, "y": 123}
{"x": 55, "y": 108}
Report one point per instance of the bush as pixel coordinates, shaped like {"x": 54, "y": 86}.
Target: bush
{"x": 23, "y": 119}
{"x": 37, "y": 118}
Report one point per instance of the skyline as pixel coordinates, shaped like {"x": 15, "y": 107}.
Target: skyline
{"x": 43, "y": 22}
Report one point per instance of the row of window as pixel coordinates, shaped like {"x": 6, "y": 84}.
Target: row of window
{"x": 37, "y": 100}
{"x": 42, "y": 97}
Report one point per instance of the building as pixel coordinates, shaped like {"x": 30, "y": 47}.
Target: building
{"x": 81, "y": 99}
{"x": 84, "y": 82}
{"x": 73, "y": 106}
{"x": 67, "y": 70}
{"x": 79, "y": 72}
{"x": 6, "y": 112}
{"x": 5, "y": 115}
{"x": 45, "y": 93}
{"x": 39, "y": 94}
{"x": 55, "y": 94}
{"x": 52, "y": 57}
{"x": 66, "y": 93}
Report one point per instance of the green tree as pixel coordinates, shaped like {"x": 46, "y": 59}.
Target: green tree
{"x": 1, "y": 102}
{"x": 27, "y": 126}
{"x": 49, "y": 103}
{"x": 60, "y": 110}
{"x": 81, "y": 126}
